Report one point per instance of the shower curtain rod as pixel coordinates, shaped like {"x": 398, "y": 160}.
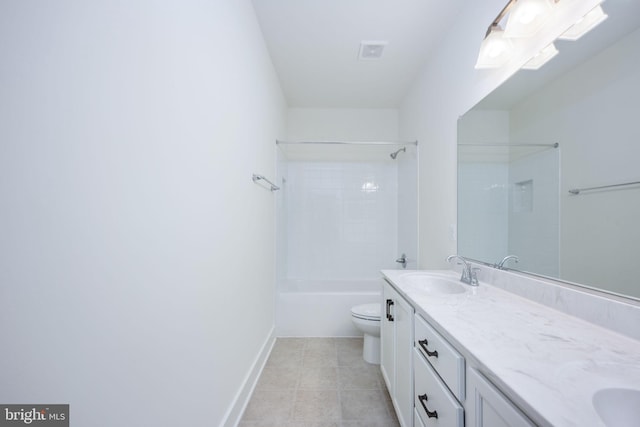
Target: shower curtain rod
{"x": 554, "y": 145}
{"x": 350, "y": 142}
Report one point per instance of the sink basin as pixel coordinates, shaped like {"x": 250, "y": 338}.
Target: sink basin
{"x": 619, "y": 407}
{"x": 431, "y": 284}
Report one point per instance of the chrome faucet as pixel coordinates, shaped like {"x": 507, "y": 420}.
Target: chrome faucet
{"x": 500, "y": 265}
{"x": 468, "y": 274}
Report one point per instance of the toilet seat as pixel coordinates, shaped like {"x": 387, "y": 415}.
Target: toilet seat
{"x": 366, "y": 311}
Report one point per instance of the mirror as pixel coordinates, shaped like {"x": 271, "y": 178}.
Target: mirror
{"x": 569, "y": 211}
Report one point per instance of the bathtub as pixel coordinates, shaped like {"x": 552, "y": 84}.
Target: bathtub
{"x": 321, "y": 308}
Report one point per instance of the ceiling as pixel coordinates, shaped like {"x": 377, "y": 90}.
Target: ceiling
{"x": 314, "y": 46}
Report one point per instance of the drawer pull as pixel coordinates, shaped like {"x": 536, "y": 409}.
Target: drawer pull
{"x": 389, "y": 315}
{"x": 424, "y": 343}
{"x": 423, "y": 398}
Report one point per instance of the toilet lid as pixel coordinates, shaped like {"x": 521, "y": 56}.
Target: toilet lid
{"x": 367, "y": 311}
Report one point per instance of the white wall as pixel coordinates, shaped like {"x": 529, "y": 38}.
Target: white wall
{"x": 448, "y": 86}
{"x": 484, "y": 127}
{"x": 128, "y": 216}
{"x": 350, "y": 124}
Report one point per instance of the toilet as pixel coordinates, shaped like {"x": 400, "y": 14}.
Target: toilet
{"x": 366, "y": 317}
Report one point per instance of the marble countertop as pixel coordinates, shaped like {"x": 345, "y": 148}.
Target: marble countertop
{"x": 547, "y": 362}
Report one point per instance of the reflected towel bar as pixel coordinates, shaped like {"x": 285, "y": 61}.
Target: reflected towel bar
{"x": 257, "y": 178}
{"x": 580, "y": 190}
{"x": 554, "y": 145}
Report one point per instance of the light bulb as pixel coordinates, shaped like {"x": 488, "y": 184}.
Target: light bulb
{"x": 526, "y": 17}
{"x": 495, "y": 50}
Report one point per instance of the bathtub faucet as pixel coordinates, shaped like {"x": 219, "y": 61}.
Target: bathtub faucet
{"x": 402, "y": 260}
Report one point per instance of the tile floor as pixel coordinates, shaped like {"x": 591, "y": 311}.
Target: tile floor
{"x": 319, "y": 382}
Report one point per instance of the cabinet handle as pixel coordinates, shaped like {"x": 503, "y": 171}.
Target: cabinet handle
{"x": 389, "y": 315}
{"x": 423, "y": 398}
{"x": 424, "y": 343}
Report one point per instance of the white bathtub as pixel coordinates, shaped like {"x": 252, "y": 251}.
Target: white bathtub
{"x": 315, "y": 308}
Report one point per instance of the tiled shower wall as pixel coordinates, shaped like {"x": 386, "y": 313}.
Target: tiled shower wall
{"x": 341, "y": 219}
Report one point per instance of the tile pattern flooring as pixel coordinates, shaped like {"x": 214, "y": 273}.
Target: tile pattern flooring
{"x": 319, "y": 382}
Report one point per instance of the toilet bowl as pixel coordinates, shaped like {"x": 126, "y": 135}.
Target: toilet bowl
{"x": 366, "y": 317}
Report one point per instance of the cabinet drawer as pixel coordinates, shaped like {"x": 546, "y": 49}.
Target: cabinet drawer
{"x": 447, "y": 362}
{"x": 432, "y": 395}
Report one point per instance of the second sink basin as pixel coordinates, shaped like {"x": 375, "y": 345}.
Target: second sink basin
{"x": 619, "y": 407}
{"x": 432, "y": 284}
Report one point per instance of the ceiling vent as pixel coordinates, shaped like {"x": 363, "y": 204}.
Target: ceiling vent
{"x": 370, "y": 50}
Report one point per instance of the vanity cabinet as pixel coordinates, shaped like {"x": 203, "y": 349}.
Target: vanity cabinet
{"x": 396, "y": 356}
{"x": 432, "y": 382}
{"x": 488, "y": 407}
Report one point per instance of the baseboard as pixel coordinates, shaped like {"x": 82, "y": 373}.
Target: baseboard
{"x": 241, "y": 400}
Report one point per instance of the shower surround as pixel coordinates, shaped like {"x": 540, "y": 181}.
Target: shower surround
{"x": 339, "y": 223}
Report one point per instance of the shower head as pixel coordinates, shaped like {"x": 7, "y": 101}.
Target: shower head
{"x": 395, "y": 153}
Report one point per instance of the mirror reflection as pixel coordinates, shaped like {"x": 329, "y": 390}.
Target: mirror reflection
{"x": 525, "y": 150}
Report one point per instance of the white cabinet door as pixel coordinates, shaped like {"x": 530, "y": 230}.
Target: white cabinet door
{"x": 387, "y": 338}
{"x": 396, "y": 359}
{"x": 404, "y": 361}
{"x": 487, "y": 407}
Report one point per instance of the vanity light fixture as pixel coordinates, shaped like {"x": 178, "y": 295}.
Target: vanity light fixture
{"x": 495, "y": 49}
{"x": 584, "y": 25}
{"x": 527, "y": 16}
{"x": 524, "y": 20}
{"x": 541, "y": 58}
